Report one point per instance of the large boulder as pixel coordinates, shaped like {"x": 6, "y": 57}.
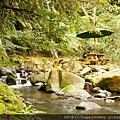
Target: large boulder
{"x": 59, "y": 79}
{"x": 41, "y": 77}
{"x": 7, "y": 76}
{"x": 53, "y": 82}
{"x": 68, "y": 64}
{"x": 65, "y": 63}
{"x": 72, "y": 91}
{"x": 109, "y": 80}
{"x": 6, "y": 72}
{"x": 68, "y": 78}
{"x": 32, "y": 64}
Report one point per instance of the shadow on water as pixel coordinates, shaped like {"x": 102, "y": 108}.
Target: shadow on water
{"x": 54, "y": 104}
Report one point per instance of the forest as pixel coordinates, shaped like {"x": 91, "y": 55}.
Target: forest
{"x": 48, "y": 28}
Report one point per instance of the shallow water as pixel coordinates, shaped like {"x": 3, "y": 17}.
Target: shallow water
{"x": 54, "y": 104}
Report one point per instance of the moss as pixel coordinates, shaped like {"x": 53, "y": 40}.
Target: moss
{"x": 9, "y": 61}
{"x": 105, "y": 83}
{"x": 8, "y": 98}
{"x": 2, "y": 108}
{"x": 3, "y": 59}
{"x": 16, "y": 60}
{"x": 11, "y": 103}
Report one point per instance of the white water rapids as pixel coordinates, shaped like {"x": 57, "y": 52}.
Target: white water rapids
{"x": 19, "y": 83}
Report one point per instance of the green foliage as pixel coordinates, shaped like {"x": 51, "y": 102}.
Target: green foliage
{"x": 39, "y": 31}
{"x": 31, "y": 27}
{"x": 11, "y": 103}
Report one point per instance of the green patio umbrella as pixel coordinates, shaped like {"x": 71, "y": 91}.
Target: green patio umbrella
{"x": 96, "y": 34}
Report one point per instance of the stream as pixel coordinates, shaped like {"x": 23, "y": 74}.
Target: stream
{"x": 54, "y": 104}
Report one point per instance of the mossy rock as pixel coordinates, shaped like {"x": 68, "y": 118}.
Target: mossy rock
{"x": 11, "y": 103}
{"x": 9, "y": 98}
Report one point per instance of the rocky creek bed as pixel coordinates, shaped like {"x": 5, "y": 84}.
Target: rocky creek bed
{"x": 54, "y": 104}
{"x": 68, "y": 78}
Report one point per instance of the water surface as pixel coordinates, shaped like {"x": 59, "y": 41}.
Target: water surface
{"x": 54, "y": 104}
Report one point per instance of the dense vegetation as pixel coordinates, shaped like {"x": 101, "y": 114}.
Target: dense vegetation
{"x": 49, "y": 27}
{"x": 12, "y": 103}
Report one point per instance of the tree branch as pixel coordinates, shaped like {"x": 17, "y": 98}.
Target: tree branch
{"x": 85, "y": 12}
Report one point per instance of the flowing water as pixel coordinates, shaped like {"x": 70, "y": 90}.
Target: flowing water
{"x": 54, "y": 104}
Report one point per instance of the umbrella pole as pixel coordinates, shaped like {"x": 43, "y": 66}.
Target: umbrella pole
{"x": 94, "y": 45}
{"x": 94, "y": 24}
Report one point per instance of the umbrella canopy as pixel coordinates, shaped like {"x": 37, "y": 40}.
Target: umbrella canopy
{"x": 97, "y": 34}
{"x": 100, "y": 33}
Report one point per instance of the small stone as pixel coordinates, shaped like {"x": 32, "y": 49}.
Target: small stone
{"x": 80, "y": 107}
{"x": 109, "y": 101}
{"x": 87, "y": 106}
{"x": 95, "y": 89}
{"x": 100, "y": 95}
{"x": 107, "y": 93}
